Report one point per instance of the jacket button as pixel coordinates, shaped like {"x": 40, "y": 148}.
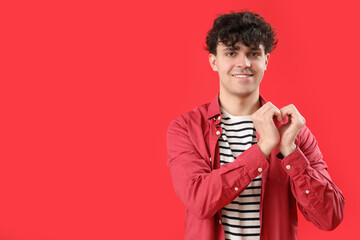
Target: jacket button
{"x": 210, "y": 159}
{"x": 307, "y": 191}
{"x": 217, "y": 132}
{"x": 260, "y": 169}
{"x": 288, "y": 167}
{"x": 219, "y": 118}
{"x": 219, "y": 221}
{"x": 236, "y": 188}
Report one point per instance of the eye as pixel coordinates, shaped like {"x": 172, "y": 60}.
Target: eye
{"x": 254, "y": 54}
{"x": 230, "y": 54}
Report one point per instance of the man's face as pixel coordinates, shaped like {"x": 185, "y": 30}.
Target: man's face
{"x": 240, "y": 70}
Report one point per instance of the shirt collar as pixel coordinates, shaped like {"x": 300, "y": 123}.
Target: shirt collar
{"x": 214, "y": 107}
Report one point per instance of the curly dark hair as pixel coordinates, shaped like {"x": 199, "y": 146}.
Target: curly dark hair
{"x": 246, "y": 27}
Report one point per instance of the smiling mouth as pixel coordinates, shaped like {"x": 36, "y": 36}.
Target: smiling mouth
{"x": 242, "y": 75}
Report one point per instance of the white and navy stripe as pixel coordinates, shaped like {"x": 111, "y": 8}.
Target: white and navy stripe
{"x": 240, "y": 218}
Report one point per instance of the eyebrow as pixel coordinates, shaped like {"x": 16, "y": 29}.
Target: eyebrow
{"x": 232, "y": 49}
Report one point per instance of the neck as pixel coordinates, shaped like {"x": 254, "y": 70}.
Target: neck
{"x": 238, "y": 105}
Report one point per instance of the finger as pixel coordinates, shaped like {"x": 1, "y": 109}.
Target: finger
{"x": 274, "y": 112}
{"x": 261, "y": 112}
{"x": 289, "y": 110}
{"x": 294, "y": 115}
{"x": 265, "y": 107}
{"x": 277, "y": 115}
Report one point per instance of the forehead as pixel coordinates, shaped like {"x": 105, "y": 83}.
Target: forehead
{"x": 239, "y": 46}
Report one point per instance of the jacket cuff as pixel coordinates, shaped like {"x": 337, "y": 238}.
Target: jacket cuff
{"x": 295, "y": 163}
{"x": 254, "y": 161}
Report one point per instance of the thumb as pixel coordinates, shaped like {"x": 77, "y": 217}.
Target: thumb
{"x": 279, "y": 117}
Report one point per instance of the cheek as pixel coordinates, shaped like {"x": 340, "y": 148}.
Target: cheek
{"x": 225, "y": 67}
{"x": 260, "y": 67}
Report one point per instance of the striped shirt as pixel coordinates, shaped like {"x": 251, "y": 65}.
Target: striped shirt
{"x": 240, "y": 218}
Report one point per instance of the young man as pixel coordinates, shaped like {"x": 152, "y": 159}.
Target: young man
{"x": 239, "y": 163}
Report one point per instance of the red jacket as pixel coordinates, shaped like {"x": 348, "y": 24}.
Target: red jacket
{"x": 205, "y": 187}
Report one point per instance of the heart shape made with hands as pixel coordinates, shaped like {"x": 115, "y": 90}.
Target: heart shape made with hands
{"x": 284, "y": 120}
{"x": 288, "y": 123}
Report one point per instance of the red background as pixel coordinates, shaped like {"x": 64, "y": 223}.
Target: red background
{"x": 88, "y": 88}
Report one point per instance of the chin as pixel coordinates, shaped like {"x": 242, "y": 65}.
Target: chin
{"x": 243, "y": 94}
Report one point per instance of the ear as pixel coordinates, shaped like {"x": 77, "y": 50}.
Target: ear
{"x": 213, "y": 62}
{"x": 267, "y": 57}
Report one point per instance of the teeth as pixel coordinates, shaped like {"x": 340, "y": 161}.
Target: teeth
{"x": 241, "y": 75}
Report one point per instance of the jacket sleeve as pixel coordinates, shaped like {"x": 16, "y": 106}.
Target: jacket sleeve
{"x": 202, "y": 190}
{"x": 318, "y": 198}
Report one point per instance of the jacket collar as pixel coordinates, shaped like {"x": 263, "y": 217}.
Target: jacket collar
{"x": 214, "y": 107}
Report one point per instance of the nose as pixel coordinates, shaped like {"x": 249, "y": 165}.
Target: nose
{"x": 242, "y": 61}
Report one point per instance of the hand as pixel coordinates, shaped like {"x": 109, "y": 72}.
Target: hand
{"x": 289, "y": 131}
{"x": 263, "y": 120}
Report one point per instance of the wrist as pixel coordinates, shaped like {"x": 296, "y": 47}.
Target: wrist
{"x": 287, "y": 149}
{"x": 266, "y": 148}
